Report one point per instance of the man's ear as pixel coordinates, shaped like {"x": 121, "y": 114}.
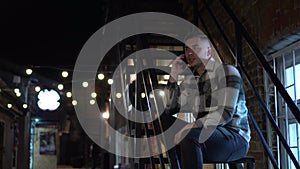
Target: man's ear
{"x": 209, "y": 51}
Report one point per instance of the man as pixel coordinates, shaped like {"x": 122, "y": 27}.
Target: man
{"x": 221, "y": 130}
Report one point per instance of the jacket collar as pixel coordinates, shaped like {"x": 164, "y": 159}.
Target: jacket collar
{"x": 210, "y": 65}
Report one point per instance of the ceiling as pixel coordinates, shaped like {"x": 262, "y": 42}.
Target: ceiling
{"x": 47, "y": 32}
{"x": 52, "y": 32}
{"x": 48, "y": 35}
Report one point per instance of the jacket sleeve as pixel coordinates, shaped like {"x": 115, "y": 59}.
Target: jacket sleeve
{"x": 172, "y": 93}
{"x": 226, "y": 89}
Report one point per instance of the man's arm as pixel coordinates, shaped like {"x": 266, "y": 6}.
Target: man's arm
{"x": 228, "y": 82}
{"x": 172, "y": 93}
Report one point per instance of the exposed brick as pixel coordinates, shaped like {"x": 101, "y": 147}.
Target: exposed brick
{"x": 267, "y": 22}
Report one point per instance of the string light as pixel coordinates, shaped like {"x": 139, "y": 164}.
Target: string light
{"x": 60, "y": 86}
{"x": 9, "y": 105}
{"x": 28, "y": 71}
{"x": 92, "y": 102}
{"x": 101, "y": 76}
{"x": 16, "y": 90}
{"x": 85, "y": 84}
{"x": 74, "y": 102}
{"x": 64, "y": 74}
{"x": 105, "y": 115}
{"x": 161, "y": 93}
{"x": 110, "y": 81}
{"x": 118, "y": 95}
{"x": 37, "y": 88}
{"x": 69, "y": 94}
{"x": 25, "y": 106}
{"x": 94, "y": 95}
{"x": 151, "y": 95}
{"x": 18, "y": 94}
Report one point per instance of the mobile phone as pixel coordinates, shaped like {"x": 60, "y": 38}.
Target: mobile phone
{"x": 184, "y": 60}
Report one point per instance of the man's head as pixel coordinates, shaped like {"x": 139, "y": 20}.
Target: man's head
{"x": 197, "y": 49}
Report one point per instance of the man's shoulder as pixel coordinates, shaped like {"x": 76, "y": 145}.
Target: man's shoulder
{"x": 227, "y": 69}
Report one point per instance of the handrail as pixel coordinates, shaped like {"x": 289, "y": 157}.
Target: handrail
{"x": 241, "y": 32}
{"x": 273, "y": 122}
{"x": 293, "y": 107}
{"x": 209, "y": 36}
{"x": 256, "y": 127}
{"x": 219, "y": 27}
{"x": 264, "y": 142}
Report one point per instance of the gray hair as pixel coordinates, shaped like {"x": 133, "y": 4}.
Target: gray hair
{"x": 196, "y": 34}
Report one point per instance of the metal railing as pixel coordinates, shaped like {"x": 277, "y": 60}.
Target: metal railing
{"x": 241, "y": 33}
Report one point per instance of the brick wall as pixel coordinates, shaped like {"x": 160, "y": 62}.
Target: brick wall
{"x": 267, "y": 22}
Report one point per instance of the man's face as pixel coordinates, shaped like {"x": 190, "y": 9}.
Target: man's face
{"x": 197, "y": 51}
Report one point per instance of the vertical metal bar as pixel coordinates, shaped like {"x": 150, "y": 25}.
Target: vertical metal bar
{"x": 148, "y": 88}
{"x": 276, "y": 114}
{"x": 298, "y": 141}
{"x": 139, "y": 81}
{"x": 268, "y": 125}
{"x": 295, "y": 93}
{"x": 294, "y": 77}
{"x": 285, "y": 107}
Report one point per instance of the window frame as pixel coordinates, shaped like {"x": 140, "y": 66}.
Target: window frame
{"x": 285, "y": 59}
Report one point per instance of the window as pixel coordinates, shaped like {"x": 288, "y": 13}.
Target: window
{"x": 291, "y": 81}
{"x": 288, "y": 70}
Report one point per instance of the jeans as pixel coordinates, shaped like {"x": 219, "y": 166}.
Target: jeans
{"x": 223, "y": 145}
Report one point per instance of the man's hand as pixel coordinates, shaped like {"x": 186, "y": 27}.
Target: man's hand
{"x": 178, "y": 67}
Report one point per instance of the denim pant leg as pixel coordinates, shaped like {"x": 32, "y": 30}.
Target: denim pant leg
{"x": 173, "y": 153}
{"x": 222, "y": 145}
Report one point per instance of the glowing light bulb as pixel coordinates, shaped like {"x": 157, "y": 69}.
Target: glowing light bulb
{"x": 16, "y": 90}
{"x": 60, "y": 86}
{"x": 74, "y": 102}
{"x": 110, "y": 81}
{"x": 101, "y": 76}
{"x": 25, "y": 106}
{"x": 94, "y": 95}
{"x": 118, "y": 95}
{"x": 85, "y": 84}
{"x": 105, "y": 115}
{"x": 92, "y": 102}
{"x": 64, "y": 74}
{"x": 37, "y": 88}
{"x": 18, "y": 94}
{"x": 161, "y": 93}
{"x": 69, "y": 94}
{"x": 9, "y": 105}
{"x": 28, "y": 71}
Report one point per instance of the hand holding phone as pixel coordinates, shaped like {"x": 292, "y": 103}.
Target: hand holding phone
{"x": 178, "y": 67}
{"x": 183, "y": 58}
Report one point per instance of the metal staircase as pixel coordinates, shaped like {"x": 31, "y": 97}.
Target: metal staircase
{"x": 242, "y": 36}
{"x": 241, "y": 39}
